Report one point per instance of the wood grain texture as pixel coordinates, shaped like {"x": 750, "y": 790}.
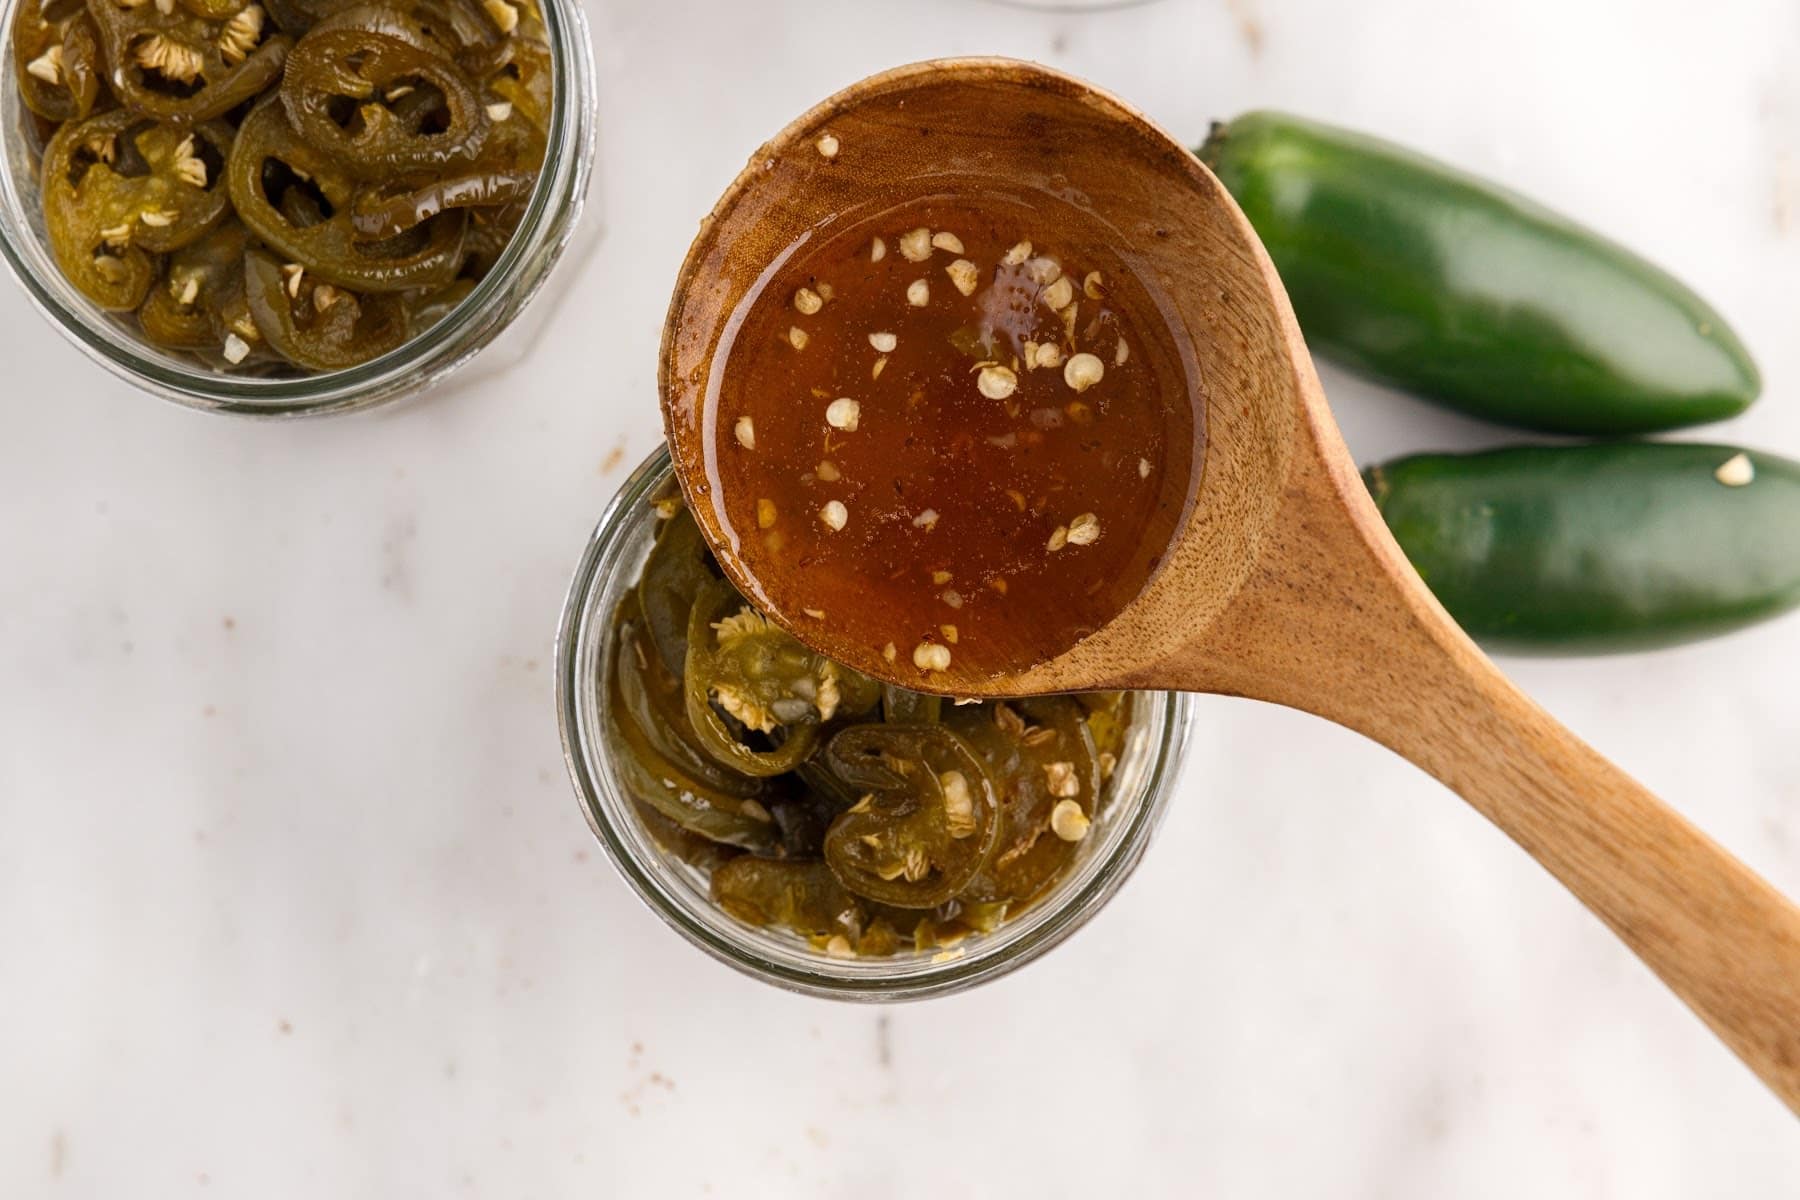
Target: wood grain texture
{"x": 1334, "y": 622}
{"x": 1284, "y": 585}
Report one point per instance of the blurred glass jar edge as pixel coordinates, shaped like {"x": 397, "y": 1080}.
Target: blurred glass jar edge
{"x": 675, "y": 892}
{"x": 426, "y": 359}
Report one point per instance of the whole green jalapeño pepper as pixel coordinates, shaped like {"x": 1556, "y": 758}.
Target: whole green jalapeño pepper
{"x": 1616, "y": 546}
{"x": 1446, "y": 285}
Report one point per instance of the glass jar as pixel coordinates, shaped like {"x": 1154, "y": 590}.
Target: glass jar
{"x": 424, "y": 360}
{"x": 1138, "y": 792}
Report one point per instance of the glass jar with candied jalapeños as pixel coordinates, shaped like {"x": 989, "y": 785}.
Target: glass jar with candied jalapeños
{"x": 811, "y": 827}
{"x": 282, "y": 207}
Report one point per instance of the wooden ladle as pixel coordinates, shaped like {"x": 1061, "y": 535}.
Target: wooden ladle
{"x": 1284, "y": 585}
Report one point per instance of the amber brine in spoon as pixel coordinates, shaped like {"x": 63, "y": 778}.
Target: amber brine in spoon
{"x": 951, "y": 429}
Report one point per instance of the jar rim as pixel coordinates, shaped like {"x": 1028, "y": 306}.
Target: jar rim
{"x": 1130, "y": 819}
{"x": 544, "y": 230}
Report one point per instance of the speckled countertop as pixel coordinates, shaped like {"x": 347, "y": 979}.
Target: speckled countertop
{"x": 295, "y": 900}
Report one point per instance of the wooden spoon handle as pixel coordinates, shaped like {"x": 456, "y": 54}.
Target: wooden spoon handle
{"x": 1717, "y": 933}
{"x": 1335, "y": 622}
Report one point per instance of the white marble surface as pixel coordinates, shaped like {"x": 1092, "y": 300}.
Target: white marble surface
{"x": 295, "y": 900}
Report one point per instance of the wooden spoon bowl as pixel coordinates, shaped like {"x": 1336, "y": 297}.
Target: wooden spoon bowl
{"x": 1283, "y": 584}
{"x": 1037, "y": 130}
